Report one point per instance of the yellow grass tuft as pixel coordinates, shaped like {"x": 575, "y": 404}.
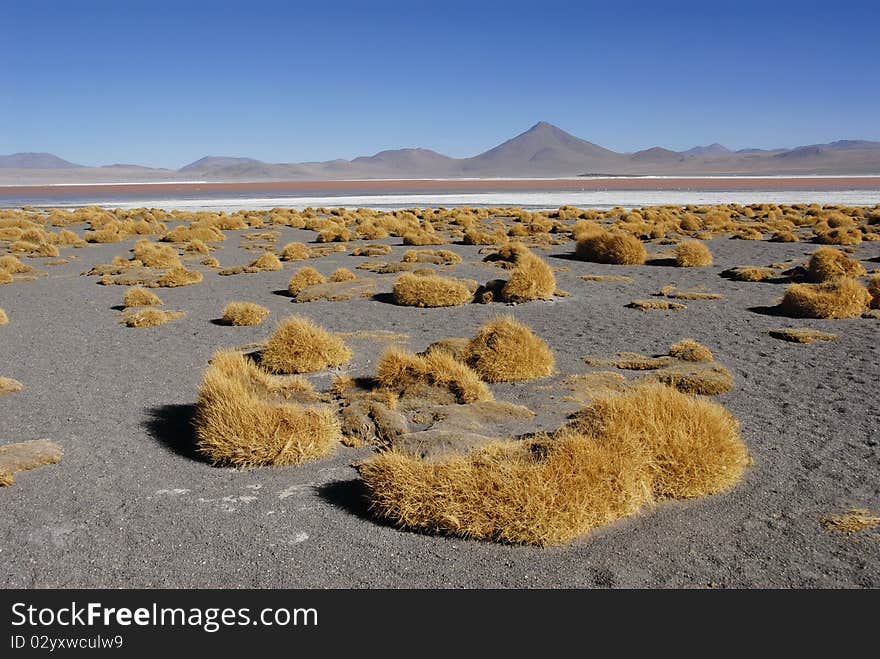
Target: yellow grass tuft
{"x": 692, "y": 253}
{"x": 827, "y": 263}
{"x": 608, "y": 278}
{"x": 342, "y": 274}
{"x": 266, "y": 262}
{"x": 657, "y": 305}
{"x": 531, "y": 279}
{"x": 748, "y": 273}
{"x": 616, "y": 248}
{"x": 9, "y": 386}
{"x": 409, "y": 374}
{"x": 413, "y": 290}
{"x": 243, "y": 422}
{"x": 838, "y": 298}
{"x": 299, "y": 345}
{"x": 505, "y": 350}
{"x": 177, "y": 277}
{"x": 852, "y": 521}
{"x": 802, "y": 335}
{"x": 874, "y": 290}
{"x": 240, "y": 314}
{"x": 137, "y": 296}
{"x": 690, "y": 351}
{"x": 4, "y": 319}
{"x": 622, "y": 453}
{"x": 303, "y": 278}
{"x": 295, "y": 252}
{"x": 149, "y": 317}
{"x": 24, "y": 456}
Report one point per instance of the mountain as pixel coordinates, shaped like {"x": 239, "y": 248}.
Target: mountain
{"x": 542, "y": 151}
{"x": 709, "y": 150}
{"x": 34, "y": 161}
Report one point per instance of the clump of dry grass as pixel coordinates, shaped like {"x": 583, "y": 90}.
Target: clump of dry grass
{"x": 607, "y": 247}
{"x": 838, "y": 298}
{"x": 137, "y": 296}
{"x": 149, "y": 317}
{"x": 690, "y": 350}
{"x": 692, "y": 253}
{"x": 299, "y": 345}
{"x": 413, "y": 290}
{"x": 656, "y": 305}
{"x": 434, "y": 256}
{"x": 244, "y": 420}
{"x": 4, "y": 319}
{"x": 372, "y": 250}
{"x": 784, "y": 237}
{"x": 827, "y": 263}
{"x": 267, "y": 262}
{"x": 608, "y": 278}
{"x": 176, "y": 277}
{"x": 531, "y": 279}
{"x": 295, "y": 252}
{"x": 852, "y": 521}
{"x": 156, "y": 255}
{"x": 9, "y": 386}
{"x": 625, "y": 451}
{"x": 874, "y": 290}
{"x": 336, "y": 291}
{"x": 802, "y": 335}
{"x": 705, "y": 379}
{"x": 410, "y": 374}
{"x": 24, "y": 456}
{"x": 342, "y": 274}
{"x": 303, "y": 278}
{"x": 505, "y": 350}
{"x": 211, "y": 262}
{"x": 748, "y": 273}
{"x": 240, "y": 314}
{"x": 671, "y": 291}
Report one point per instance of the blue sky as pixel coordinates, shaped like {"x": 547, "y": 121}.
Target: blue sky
{"x": 162, "y": 84}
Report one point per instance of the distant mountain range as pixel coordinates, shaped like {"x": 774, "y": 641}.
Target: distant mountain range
{"x": 542, "y": 151}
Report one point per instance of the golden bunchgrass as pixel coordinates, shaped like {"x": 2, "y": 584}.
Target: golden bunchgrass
{"x": 4, "y": 319}
{"x": 837, "y": 298}
{"x": 24, "y": 456}
{"x": 9, "y": 386}
{"x": 874, "y": 290}
{"x": 299, "y": 345}
{"x": 243, "y": 420}
{"x": 150, "y": 317}
{"x": 342, "y": 274}
{"x": 624, "y": 452}
{"x": 852, "y": 521}
{"x": 505, "y": 350}
{"x": 749, "y": 273}
{"x": 802, "y": 335}
{"x": 138, "y": 296}
{"x": 607, "y": 247}
{"x": 413, "y": 290}
{"x": 531, "y": 279}
{"x": 656, "y": 305}
{"x": 409, "y": 374}
{"x": 303, "y": 278}
{"x": 295, "y": 252}
{"x": 240, "y": 314}
{"x": 690, "y": 350}
{"x": 828, "y": 263}
{"x": 692, "y": 253}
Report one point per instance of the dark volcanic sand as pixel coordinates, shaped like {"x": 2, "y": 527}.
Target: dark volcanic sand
{"x": 129, "y": 506}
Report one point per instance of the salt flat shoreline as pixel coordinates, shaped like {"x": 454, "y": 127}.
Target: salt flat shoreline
{"x": 733, "y": 183}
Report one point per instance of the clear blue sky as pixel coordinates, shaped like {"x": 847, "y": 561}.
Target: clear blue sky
{"x": 164, "y": 83}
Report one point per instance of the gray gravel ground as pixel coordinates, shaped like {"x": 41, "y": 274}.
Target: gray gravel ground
{"x": 131, "y": 506}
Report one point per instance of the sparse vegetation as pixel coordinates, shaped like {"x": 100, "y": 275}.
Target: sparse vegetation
{"x": 802, "y": 335}
{"x": 505, "y": 350}
{"x": 138, "y": 296}
{"x": 692, "y": 253}
{"x": 240, "y": 314}
{"x": 24, "y": 456}
{"x": 616, "y": 248}
{"x": 412, "y": 290}
{"x": 150, "y": 317}
{"x": 299, "y": 345}
{"x": 837, "y": 298}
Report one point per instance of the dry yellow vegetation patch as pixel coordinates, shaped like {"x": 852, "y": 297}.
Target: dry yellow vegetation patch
{"x": 852, "y": 521}
{"x": 9, "y": 386}
{"x": 240, "y": 314}
{"x": 24, "y": 456}
{"x": 149, "y": 317}
{"x": 692, "y": 253}
{"x": 802, "y": 335}
{"x": 690, "y": 350}
{"x": 827, "y": 263}
{"x": 303, "y": 278}
{"x": 657, "y": 305}
{"x": 505, "y": 350}
{"x": 412, "y": 290}
{"x": 137, "y": 296}
{"x": 4, "y": 319}
{"x": 244, "y": 418}
{"x": 299, "y": 345}
{"x": 624, "y": 452}
{"x": 412, "y": 375}
{"x": 837, "y": 298}
{"x": 607, "y": 247}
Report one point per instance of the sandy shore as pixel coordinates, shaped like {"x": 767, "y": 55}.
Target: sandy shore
{"x": 131, "y": 506}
